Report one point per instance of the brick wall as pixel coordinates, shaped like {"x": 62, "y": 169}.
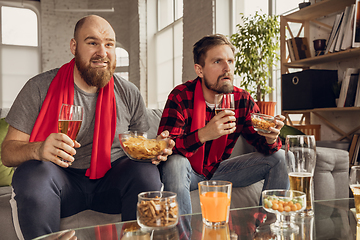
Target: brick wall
{"x": 198, "y": 21}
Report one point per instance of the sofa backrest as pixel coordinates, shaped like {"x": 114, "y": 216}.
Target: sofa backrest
{"x": 4, "y": 112}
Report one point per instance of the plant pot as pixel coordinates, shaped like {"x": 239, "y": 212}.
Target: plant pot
{"x": 267, "y": 108}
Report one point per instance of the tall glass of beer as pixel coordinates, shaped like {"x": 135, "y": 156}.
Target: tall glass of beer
{"x": 354, "y": 182}
{"x": 300, "y": 155}
{"x": 70, "y": 119}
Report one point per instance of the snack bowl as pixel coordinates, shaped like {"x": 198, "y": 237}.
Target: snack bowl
{"x": 285, "y": 204}
{"x": 138, "y": 147}
{"x": 262, "y": 122}
{"x": 157, "y": 210}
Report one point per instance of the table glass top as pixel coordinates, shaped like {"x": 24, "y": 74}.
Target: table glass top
{"x": 333, "y": 219}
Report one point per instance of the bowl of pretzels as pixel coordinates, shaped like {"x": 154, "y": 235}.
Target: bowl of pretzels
{"x": 157, "y": 210}
{"x": 138, "y": 147}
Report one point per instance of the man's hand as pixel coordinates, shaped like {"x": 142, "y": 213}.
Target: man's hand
{"x": 221, "y": 124}
{"x": 167, "y": 151}
{"x": 59, "y": 149}
{"x": 275, "y": 131}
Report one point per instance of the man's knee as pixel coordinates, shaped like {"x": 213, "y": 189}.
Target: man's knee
{"x": 176, "y": 163}
{"x": 33, "y": 174}
{"x": 278, "y": 156}
{"x": 175, "y": 171}
{"x": 144, "y": 176}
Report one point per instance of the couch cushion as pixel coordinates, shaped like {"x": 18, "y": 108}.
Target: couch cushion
{"x": 154, "y": 116}
{"x": 5, "y": 172}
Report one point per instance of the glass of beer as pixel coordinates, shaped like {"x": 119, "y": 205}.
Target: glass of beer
{"x": 224, "y": 101}
{"x": 215, "y": 198}
{"x": 300, "y": 155}
{"x": 70, "y": 119}
{"x": 354, "y": 182}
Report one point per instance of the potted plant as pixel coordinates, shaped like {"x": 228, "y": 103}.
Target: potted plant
{"x": 257, "y": 50}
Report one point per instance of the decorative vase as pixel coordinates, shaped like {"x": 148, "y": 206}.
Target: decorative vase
{"x": 267, "y": 108}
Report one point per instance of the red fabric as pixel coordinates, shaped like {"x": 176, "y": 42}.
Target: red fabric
{"x": 106, "y": 232}
{"x": 218, "y": 147}
{"x": 61, "y": 91}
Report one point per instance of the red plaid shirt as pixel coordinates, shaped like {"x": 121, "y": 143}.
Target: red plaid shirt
{"x": 177, "y": 117}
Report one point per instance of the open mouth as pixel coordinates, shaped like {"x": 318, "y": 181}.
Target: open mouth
{"x": 225, "y": 79}
{"x": 100, "y": 63}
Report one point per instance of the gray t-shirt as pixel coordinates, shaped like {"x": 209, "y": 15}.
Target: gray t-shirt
{"x": 130, "y": 109}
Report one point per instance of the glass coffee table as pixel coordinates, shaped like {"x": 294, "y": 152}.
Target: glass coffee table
{"x": 333, "y": 219}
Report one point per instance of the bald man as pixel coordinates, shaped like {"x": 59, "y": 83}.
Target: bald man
{"x": 57, "y": 177}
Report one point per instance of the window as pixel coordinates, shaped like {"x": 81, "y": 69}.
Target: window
{"x": 122, "y": 63}
{"x": 16, "y": 31}
{"x": 20, "y": 57}
{"x": 168, "y": 12}
{"x": 169, "y": 50}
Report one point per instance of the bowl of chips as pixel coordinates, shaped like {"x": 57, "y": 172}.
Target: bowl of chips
{"x": 138, "y": 147}
{"x": 262, "y": 122}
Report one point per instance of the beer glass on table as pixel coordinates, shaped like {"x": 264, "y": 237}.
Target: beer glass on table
{"x": 354, "y": 182}
{"x": 300, "y": 156}
{"x": 224, "y": 101}
{"x": 70, "y": 119}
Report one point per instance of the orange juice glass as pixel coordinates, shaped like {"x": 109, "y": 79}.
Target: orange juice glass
{"x": 215, "y": 198}
{"x": 209, "y": 233}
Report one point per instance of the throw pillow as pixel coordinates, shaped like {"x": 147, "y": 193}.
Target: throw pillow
{"x": 6, "y": 173}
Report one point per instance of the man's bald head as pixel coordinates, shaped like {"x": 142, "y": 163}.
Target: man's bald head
{"x": 91, "y": 19}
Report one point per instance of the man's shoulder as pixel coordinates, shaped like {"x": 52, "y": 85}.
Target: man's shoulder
{"x": 184, "y": 88}
{"x": 241, "y": 92}
{"x": 44, "y": 77}
{"x": 123, "y": 83}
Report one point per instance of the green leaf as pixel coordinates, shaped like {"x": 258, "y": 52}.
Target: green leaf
{"x": 257, "y": 48}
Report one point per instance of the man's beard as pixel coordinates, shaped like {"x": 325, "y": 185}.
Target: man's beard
{"x": 97, "y": 77}
{"x": 226, "y": 87}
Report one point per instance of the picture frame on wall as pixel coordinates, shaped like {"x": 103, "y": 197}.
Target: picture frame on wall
{"x": 356, "y": 26}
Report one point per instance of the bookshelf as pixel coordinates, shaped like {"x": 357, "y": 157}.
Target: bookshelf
{"x": 307, "y": 17}
{"x": 327, "y": 58}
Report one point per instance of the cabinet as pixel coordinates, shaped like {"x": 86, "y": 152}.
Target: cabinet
{"x": 306, "y": 17}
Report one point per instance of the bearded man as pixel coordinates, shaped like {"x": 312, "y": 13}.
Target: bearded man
{"x": 204, "y": 140}
{"x": 57, "y": 177}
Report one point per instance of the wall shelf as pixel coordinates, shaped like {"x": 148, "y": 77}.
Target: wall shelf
{"x": 327, "y": 58}
{"x": 306, "y": 16}
{"x": 318, "y": 10}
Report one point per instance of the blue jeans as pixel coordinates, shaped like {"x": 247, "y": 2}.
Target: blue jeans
{"x": 179, "y": 177}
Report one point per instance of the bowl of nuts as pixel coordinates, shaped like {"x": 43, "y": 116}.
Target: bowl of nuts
{"x": 284, "y": 204}
{"x": 262, "y": 122}
{"x": 138, "y": 147}
{"x": 157, "y": 210}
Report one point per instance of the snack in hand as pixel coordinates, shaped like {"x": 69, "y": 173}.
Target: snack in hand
{"x": 262, "y": 122}
{"x": 141, "y": 148}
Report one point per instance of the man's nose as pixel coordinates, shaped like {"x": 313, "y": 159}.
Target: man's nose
{"x": 101, "y": 51}
{"x": 227, "y": 67}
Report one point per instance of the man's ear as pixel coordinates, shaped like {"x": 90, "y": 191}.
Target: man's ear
{"x": 198, "y": 70}
{"x": 73, "y": 46}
